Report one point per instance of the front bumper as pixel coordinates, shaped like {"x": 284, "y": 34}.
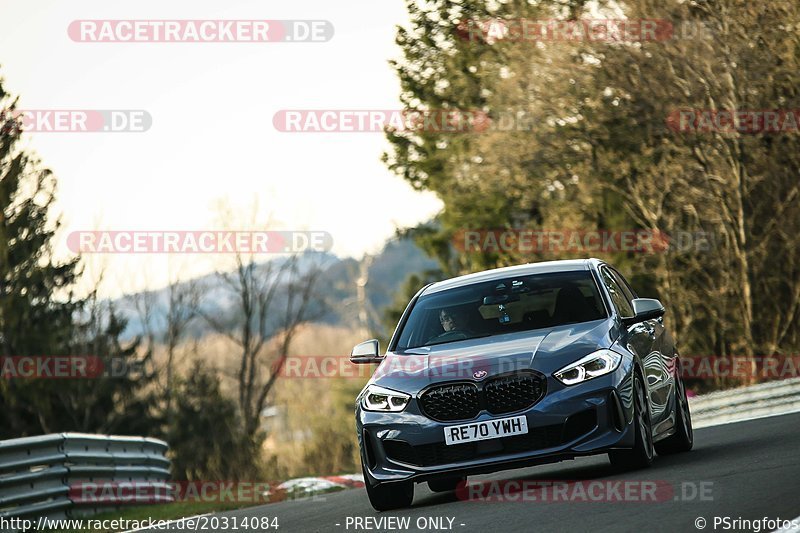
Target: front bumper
{"x": 585, "y": 419}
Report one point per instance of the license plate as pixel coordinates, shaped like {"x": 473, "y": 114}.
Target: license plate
{"x": 489, "y": 429}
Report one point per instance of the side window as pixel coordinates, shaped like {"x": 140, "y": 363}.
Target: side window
{"x": 623, "y": 283}
{"x": 618, "y": 297}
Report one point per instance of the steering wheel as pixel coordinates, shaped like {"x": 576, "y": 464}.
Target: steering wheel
{"x": 452, "y": 336}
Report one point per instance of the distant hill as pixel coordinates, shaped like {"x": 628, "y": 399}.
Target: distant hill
{"x": 336, "y": 288}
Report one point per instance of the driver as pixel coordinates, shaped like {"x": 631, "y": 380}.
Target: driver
{"x": 451, "y": 320}
{"x": 454, "y": 324}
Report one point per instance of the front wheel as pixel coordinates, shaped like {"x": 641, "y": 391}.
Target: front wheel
{"x": 641, "y": 455}
{"x": 683, "y": 438}
{"x": 389, "y": 496}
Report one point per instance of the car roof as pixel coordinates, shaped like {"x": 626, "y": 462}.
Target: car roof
{"x": 545, "y": 267}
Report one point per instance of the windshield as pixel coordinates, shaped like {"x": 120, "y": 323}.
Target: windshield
{"x": 502, "y": 306}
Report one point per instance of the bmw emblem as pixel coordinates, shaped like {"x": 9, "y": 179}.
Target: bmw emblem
{"x": 479, "y": 374}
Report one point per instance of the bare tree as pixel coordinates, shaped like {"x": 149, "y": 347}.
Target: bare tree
{"x": 272, "y": 300}
{"x": 143, "y": 303}
{"x": 183, "y": 306}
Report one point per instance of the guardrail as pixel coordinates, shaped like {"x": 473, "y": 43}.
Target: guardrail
{"x": 764, "y": 399}
{"x": 42, "y": 476}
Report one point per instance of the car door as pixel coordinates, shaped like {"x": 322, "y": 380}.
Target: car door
{"x": 638, "y": 338}
{"x": 658, "y": 362}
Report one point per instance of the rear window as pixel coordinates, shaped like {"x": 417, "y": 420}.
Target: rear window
{"x": 501, "y": 306}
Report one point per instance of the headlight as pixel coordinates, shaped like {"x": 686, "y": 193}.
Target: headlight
{"x": 593, "y": 365}
{"x": 380, "y": 399}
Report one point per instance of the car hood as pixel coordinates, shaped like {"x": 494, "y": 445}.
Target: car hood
{"x": 544, "y": 350}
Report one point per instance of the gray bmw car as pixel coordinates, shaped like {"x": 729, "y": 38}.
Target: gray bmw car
{"x": 515, "y": 367}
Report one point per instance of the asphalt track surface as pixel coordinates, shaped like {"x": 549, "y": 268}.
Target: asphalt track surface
{"x": 748, "y": 470}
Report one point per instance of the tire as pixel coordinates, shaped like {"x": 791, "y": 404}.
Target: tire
{"x": 641, "y": 455}
{"x": 445, "y": 484}
{"x": 389, "y": 496}
{"x": 683, "y": 438}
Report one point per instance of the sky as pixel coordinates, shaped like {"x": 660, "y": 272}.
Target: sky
{"x": 212, "y": 141}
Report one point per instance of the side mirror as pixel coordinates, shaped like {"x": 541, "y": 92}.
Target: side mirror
{"x": 645, "y": 309}
{"x": 366, "y": 352}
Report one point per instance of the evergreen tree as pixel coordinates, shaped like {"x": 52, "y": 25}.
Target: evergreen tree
{"x": 36, "y": 303}
{"x": 40, "y": 317}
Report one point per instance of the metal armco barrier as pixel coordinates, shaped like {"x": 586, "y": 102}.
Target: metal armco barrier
{"x": 42, "y": 476}
{"x": 765, "y": 399}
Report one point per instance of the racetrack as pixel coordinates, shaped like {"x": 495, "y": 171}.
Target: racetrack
{"x": 749, "y": 469}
